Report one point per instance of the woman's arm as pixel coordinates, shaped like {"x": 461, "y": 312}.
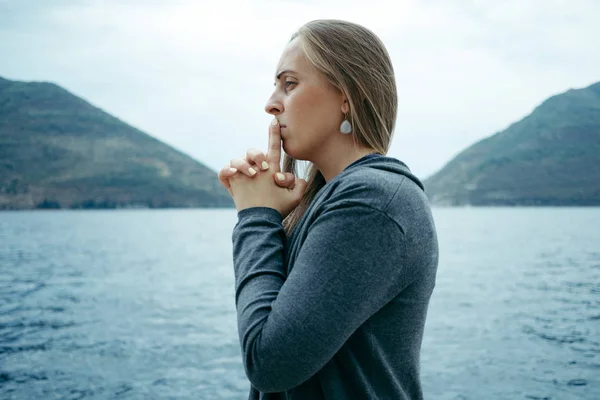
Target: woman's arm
{"x": 350, "y": 265}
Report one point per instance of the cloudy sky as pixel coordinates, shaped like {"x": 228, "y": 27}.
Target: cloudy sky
{"x": 196, "y": 74}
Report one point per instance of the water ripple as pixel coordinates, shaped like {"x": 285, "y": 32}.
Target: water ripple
{"x": 130, "y": 305}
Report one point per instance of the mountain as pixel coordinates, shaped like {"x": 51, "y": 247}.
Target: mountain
{"x": 549, "y": 158}
{"x": 59, "y": 151}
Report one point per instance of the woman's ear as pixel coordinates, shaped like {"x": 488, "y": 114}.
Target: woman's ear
{"x": 345, "y": 106}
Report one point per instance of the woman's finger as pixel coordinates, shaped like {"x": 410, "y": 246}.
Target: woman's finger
{"x": 225, "y": 173}
{"x": 274, "y": 154}
{"x": 243, "y": 166}
{"x": 285, "y": 180}
{"x": 299, "y": 190}
{"x": 258, "y": 158}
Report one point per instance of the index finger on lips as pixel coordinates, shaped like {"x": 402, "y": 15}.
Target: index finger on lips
{"x": 274, "y": 152}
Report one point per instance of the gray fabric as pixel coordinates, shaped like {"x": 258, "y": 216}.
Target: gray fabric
{"x": 337, "y": 309}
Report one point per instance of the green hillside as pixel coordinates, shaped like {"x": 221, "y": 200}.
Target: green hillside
{"x": 59, "y": 151}
{"x": 551, "y": 157}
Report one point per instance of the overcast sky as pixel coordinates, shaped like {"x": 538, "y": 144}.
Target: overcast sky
{"x": 197, "y": 74}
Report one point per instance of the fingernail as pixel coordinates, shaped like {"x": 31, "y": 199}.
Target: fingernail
{"x": 232, "y": 169}
{"x": 265, "y": 165}
{"x": 274, "y": 122}
{"x": 280, "y": 177}
{"x": 252, "y": 171}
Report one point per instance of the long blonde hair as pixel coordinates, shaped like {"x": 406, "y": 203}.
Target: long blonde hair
{"x": 354, "y": 60}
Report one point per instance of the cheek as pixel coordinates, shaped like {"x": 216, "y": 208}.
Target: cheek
{"x": 313, "y": 112}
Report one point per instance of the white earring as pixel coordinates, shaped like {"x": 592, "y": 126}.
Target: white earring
{"x": 346, "y": 127}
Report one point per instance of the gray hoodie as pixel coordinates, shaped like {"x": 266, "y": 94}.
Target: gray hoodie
{"x": 337, "y": 309}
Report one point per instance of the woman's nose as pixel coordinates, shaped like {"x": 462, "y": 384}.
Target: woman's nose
{"x": 273, "y": 107}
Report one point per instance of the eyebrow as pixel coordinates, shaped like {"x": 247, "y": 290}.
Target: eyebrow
{"x": 283, "y": 72}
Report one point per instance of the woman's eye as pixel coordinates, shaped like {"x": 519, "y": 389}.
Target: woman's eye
{"x": 289, "y": 83}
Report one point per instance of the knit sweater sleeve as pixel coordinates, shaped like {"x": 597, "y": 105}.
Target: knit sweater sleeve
{"x": 349, "y": 266}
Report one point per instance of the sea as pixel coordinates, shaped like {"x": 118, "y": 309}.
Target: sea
{"x": 139, "y": 304}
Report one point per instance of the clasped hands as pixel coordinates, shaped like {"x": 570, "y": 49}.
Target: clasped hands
{"x": 256, "y": 180}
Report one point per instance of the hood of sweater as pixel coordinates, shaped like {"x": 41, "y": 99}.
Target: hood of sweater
{"x": 384, "y": 163}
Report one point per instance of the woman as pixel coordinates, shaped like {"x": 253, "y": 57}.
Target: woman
{"x": 332, "y": 276}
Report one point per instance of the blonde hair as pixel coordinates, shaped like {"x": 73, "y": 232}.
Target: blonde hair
{"x": 354, "y": 60}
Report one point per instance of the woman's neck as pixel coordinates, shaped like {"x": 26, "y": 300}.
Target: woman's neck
{"x": 332, "y": 165}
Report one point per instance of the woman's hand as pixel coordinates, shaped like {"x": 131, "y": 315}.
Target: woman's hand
{"x": 253, "y": 162}
{"x": 258, "y": 189}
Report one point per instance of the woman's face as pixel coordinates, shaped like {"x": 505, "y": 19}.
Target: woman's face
{"x": 309, "y": 109}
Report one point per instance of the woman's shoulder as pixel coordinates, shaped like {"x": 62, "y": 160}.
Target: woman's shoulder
{"x": 377, "y": 185}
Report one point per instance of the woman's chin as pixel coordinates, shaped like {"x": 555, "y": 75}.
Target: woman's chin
{"x": 289, "y": 150}
{"x": 293, "y": 151}
{"x": 286, "y": 147}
